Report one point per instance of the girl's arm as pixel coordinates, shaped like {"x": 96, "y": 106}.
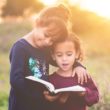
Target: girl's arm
{"x": 81, "y": 72}
{"x": 92, "y": 94}
{"x": 18, "y": 73}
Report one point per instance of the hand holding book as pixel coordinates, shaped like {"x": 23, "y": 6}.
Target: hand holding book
{"x": 60, "y": 97}
{"x": 50, "y": 87}
{"x": 51, "y": 97}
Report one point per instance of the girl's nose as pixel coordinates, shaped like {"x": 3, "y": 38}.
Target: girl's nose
{"x": 64, "y": 57}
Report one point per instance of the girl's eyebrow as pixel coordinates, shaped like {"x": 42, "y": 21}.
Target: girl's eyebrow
{"x": 69, "y": 51}
{"x": 58, "y": 52}
{"x": 66, "y": 52}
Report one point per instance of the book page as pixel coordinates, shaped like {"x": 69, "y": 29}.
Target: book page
{"x": 48, "y": 85}
{"x": 76, "y": 88}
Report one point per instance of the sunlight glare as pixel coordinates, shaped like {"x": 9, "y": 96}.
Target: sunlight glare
{"x": 100, "y": 7}
{"x": 49, "y": 2}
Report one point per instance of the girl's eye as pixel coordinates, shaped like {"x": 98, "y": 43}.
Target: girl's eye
{"x": 69, "y": 54}
{"x": 59, "y": 55}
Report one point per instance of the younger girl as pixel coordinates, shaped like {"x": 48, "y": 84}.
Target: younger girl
{"x": 65, "y": 52}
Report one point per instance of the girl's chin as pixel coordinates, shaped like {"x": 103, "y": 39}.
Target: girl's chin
{"x": 65, "y": 69}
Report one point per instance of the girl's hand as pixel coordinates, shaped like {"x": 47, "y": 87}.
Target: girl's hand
{"x": 63, "y": 97}
{"x": 81, "y": 93}
{"x": 50, "y": 97}
{"x": 81, "y": 73}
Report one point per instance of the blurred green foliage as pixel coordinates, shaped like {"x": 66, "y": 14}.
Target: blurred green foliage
{"x": 3, "y": 101}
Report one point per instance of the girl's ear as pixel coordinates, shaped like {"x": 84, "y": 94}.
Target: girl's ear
{"x": 53, "y": 57}
{"x": 77, "y": 56}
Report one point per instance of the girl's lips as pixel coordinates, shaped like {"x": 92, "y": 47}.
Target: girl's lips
{"x": 65, "y": 64}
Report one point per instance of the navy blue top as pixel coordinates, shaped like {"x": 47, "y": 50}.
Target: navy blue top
{"x": 26, "y": 60}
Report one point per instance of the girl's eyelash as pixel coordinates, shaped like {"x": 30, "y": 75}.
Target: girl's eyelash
{"x": 58, "y": 55}
{"x": 68, "y": 54}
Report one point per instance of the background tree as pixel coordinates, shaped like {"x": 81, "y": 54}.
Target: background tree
{"x": 18, "y": 7}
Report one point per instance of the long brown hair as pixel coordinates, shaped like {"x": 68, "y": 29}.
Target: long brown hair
{"x": 61, "y": 11}
{"x": 55, "y": 26}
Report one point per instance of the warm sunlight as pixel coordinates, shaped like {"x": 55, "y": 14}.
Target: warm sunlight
{"x": 100, "y": 7}
{"x": 49, "y": 2}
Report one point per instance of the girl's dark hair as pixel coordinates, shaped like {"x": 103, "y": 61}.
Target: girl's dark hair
{"x": 72, "y": 37}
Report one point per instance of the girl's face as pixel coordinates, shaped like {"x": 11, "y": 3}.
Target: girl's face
{"x": 65, "y": 55}
{"x": 41, "y": 38}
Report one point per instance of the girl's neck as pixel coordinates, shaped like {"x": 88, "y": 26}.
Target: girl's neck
{"x": 29, "y": 39}
{"x": 68, "y": 73}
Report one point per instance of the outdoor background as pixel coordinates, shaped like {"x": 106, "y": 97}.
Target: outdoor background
{"x": 91, "y": 21}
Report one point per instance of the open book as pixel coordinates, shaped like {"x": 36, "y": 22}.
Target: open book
{"x": 50, "y": 87}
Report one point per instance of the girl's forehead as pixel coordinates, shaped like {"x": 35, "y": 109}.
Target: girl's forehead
{"x": 65, "y": 44}
{"x": 52, "y": 32}
{"x": 64, "y": 48}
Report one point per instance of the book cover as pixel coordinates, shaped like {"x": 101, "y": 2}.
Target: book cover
{"x": 50, "y": 87}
